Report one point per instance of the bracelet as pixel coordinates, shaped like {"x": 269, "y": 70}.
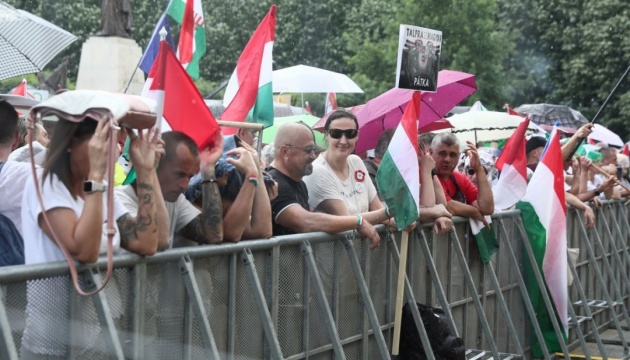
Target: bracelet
{"x": 253, "y": 179}
{"x": 388, "y": 214}
{"x": 208, "y": 181}
{"x": 359, "y": 220}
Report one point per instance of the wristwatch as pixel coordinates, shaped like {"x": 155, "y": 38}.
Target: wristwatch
{"x": 90, "y": 186}
{"x": 596, "y": 192}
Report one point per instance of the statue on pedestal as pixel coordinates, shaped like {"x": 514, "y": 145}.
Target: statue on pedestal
{"x": 116, "y": 18}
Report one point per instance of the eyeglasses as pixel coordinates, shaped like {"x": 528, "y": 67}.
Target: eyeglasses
{"x": 307, "y": 150}
{"x": 337, "y": 133}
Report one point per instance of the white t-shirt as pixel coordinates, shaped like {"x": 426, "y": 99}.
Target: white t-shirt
{"x": 13, "y": 178}
{"x": 38, "y": 247}
{"x": 357, "y": 191}
{"x": 23, "y": 153}
{"x": 46, "y": 328}
{"x": 180, "y": 212}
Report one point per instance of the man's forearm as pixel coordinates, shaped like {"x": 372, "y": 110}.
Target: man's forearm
{"x": 485, "y": 198}
{"x": 457, "y": 208}
{"x": 212, "y": 214}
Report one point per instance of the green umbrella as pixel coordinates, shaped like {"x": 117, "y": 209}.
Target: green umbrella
{"x": 269, "y": 134}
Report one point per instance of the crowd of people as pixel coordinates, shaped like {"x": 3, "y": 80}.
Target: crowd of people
{"x": 182, "y": 196}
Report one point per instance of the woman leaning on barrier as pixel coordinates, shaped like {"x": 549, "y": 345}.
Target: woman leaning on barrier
{"x": 340, "y": 184}
{"x": 74, "y": 198}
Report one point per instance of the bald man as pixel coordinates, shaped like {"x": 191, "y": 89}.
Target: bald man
{"x": 294, "y": 155}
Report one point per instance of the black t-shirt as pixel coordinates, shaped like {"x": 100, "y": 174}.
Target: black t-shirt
{"x": 289, "y": 192}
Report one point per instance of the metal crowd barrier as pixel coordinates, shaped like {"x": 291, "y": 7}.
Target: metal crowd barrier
{"x": 317, "y": 296}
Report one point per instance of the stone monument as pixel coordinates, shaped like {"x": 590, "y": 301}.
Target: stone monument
{"x": 109, "y": 58}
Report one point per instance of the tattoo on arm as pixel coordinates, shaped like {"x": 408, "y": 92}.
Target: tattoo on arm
{"x": 207, "y": 228}
{"x": 129, "y": 226}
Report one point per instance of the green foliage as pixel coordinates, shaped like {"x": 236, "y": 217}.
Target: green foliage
{"x": 521, "y": 51}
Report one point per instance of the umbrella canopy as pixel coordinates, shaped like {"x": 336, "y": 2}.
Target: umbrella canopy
{"x": 602, "y": 134}
{"x": 269, "y": 134}
{"x": 308, "y": 79}
{"x": 27, "y": 42}
{"x": 20, "y": 103}
{"x": 385, "y": 111}
{"x": 550, "y": 114}
{"x": 485, "y": 125}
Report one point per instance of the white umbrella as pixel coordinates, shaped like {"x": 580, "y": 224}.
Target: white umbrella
{"x": 485, "y": 125}
{"x": 27, "y": 42}
{"x": 602, "y": 134}
{"x": 308, "y": 79}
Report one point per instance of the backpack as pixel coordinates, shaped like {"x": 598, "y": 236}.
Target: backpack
{"x": 445, "y": 346}
{"x": 11, "y": 243}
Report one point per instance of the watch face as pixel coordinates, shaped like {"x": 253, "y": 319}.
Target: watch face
{"x": 88, "y": 186}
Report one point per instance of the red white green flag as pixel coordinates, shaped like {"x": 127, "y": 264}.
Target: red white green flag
{"x": 192, "y": 37}
{"x": 249, "y": 95}
{"x": 543, "y": 210}
{"x": 512, "y": 183}
{"x": 398, "y": 176}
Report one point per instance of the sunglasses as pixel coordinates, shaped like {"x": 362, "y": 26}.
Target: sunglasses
{"x": 337, "y": 133}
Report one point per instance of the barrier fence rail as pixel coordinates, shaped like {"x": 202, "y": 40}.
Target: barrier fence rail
{"x": 317, "y": 296}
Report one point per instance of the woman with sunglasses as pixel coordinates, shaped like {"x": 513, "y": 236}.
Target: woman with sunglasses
{"x": 340, "y": 184}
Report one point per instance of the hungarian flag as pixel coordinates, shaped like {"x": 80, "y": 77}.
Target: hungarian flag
{"x": 486, "y": 239}
{"x": 512, "y": 183}
{"x": 249, "y": 91}
{"x": 398, "y": 176}
{"x": 626, "y": 150}
{"x": 511, "y": 111}
{"x": 543, "y": 210}
{"x": 331, "y": 103}
{"x": 20, "y": 90}
{"x": 192, "y": 37}
{"x": 183, "y": 106}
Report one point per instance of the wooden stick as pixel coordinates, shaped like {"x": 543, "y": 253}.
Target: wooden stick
{"x": 400, "y": 291}
{"x": 242, "y": 125}
{"x": 605, "y": 173}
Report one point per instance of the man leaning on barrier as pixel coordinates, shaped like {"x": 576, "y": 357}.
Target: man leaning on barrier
{"x": 294, "y": 154}
{"x": 463, "y": 198}
{"x": 181, "y": 162}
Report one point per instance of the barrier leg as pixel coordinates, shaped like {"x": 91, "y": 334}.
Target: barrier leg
{"x": 329, "y": 322}
{"x": 105, "y": 315}
{"x": 139, "y": 278}
{"x": 7, "y": 346}
{"x": 367, "y": 300}
{"x": 265, "y": 317}
{"x": 194, "y": 296}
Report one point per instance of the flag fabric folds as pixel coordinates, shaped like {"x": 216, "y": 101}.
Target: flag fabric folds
{"x": 331, "y": 103}
{"x": 21, "y": 90}
{"x": 487, "y": 242}
{"x": 543, "y": 209}
{"x": 398, "y": 176}
{"x": 249, "y": 90}
{"x": 154, "y": 44}
{"x": 512, "y": 183}
{"x": 192, "y": 37}
{"x": 183, "y": 106}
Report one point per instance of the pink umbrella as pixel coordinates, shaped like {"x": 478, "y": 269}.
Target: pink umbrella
{"x": 385, "y": 111}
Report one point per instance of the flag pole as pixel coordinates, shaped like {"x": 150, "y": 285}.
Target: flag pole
{"x": 400, "y": 289}
{"x": 136, "y": 69}
{"x": 160, "y": 101}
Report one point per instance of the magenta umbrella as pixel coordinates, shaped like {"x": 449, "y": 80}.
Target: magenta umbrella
{"x": 385, "y": 111}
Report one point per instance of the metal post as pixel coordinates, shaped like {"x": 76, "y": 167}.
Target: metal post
{"x": 139, "y": 278}
{"x": 263, "y": 311}
{"x": 7, "y": 346}
{"x": 194, "y": 298}
{"x": 329, "y": 322}
{"x": 105, "y": 315}
{"x": 367, "y": 300}
{"x": 231, "y": 318}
